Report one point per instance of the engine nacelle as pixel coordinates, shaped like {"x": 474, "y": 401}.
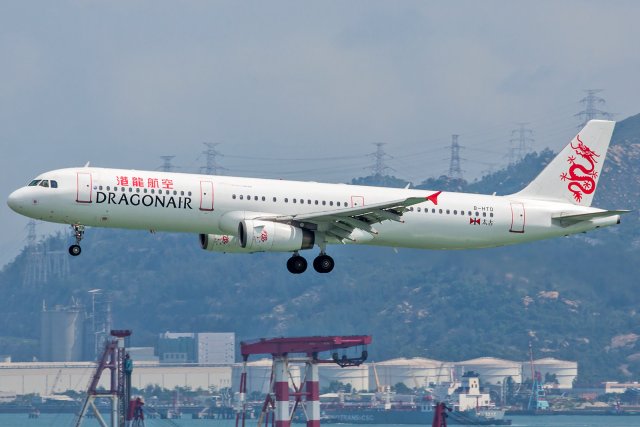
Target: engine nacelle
{"x": 221, "y": 243}
{"x": 262, "y": 236}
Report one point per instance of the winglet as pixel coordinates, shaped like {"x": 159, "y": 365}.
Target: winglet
{"x": 434, "y": 197}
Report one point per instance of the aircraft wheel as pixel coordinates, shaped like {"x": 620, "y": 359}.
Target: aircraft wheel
{"x": 323, "y": 263}
{"x": 74, "y": 250}
{"x": 296, "y": 264}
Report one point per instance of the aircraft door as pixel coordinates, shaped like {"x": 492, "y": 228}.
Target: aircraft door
{"x": 206, "y": 195}
{"x": 357, "y": 201}
{"x": 84, "y": 189}
{"x": 517, "y": 218}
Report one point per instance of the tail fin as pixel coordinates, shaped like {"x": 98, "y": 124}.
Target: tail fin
{"x": 572, "y": 176}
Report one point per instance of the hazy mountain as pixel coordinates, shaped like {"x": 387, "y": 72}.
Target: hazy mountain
{"x": 575, "y": 298}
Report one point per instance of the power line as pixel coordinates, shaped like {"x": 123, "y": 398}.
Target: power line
{"x": 166, "y": 164}
{"x": 379, "y": 167}
{"x": 521, "y": 143}
{"x": 590, "y": 111}
{"x": 212, "y": 166}
{"x": 455, "y": 171}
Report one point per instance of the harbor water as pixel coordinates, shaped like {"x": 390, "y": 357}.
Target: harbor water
{"x": 67, "y": 420}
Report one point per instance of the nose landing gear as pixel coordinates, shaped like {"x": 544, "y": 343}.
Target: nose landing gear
{"x": 78, "y": 232}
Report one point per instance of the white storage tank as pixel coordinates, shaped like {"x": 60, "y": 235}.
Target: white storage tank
{"x": 417, "y": 372}
{"x": 491, "y": 370}
{"x": 61, "y": 334}
{"x": 357, "y": 376}
{"x": 565, "y": 371}
{"x": 259, "y": 375}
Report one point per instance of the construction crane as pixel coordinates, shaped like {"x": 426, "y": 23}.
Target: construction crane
{"x": 307, "y": 393}
{"x": 537, "y": 400}
{"x": 124, "y": 412}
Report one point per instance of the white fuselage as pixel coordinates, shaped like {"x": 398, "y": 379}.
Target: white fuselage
{"x": 192, "y": 203}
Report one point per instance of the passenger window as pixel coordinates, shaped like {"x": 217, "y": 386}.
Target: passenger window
{"x": 241, "y": 197}
{"x": 419, "y": 209}
{"x": 455, "y": 212}
{"x": 324, "y": 202}
{"x": 275, "y": 200}
{"x": 182, "y": 194}
{"x": 153, "y": 191}
{"x": 440, "y": 211}
{"x": 308, "y": 202}
{"x": 175, "y": 193}
{"x": 294, "y": 200}
{"x": 189, "y": 193}
{"x": 137, "y": 189}
{"x": 263, "y": 198}
{"x": 108, "y": 188}
{"x": 316, "y": 202}
{"x": 484, "y": 214}
{"x": 491, "y": 214}
{"x": 130, "y": 189}
{"x": 448, "y": 211}
{"x": 330, "y": 203}
{"x": 233, "y": 196}
{"x": 255, "y": 198}
{"x": 286, "y": 200}
{"x": 411, "y": 208}
{"x": 338, "y": 204}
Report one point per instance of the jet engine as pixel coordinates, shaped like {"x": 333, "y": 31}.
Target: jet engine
{"x": 260, "y": 236}
{"x": 221, "y": 243}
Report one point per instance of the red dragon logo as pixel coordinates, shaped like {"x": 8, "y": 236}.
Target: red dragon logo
{"x": 264, "y": 236}
{"x": 581, "y": 177}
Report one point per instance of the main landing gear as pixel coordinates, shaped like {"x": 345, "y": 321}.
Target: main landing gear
{"x": 78, "y": 232}
{"x": 323, "y": 263}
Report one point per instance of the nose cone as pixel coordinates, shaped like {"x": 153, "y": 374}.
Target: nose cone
{"x": 16, "y": 200}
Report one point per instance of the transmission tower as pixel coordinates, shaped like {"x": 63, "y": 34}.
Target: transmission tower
{"x": 455, "y": 171}
{"x": 379, "y": 167}
{"x": 521, "y": 143}
{"x": 211, "y": 153}
{"x": 590, "y": 111}
{"x": 42, "y": 263}
{"x": 166, "y": 163}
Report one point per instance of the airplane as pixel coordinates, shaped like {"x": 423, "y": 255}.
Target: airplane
{"x": 246, "y": 215}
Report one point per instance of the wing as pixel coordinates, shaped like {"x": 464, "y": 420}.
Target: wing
{"x": 339, "y": 224}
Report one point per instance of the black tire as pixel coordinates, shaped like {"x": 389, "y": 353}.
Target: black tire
{"x": 75, "y": 250}
{"x": 296, "y": 264}
{"x": 323, "y": 264}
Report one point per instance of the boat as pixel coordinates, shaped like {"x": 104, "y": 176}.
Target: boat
{"x": 466, "y": 405}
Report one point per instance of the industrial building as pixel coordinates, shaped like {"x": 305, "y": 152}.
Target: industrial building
{"x": 357, "y": 376}
{"x": 57, "y": 377}
{"x": 259, "y": 375}
{"x": 490, "y": 369}
{"x": 197, "y": 347}
{"x": 564, "y": 371}
{"x": 416, "y": 372}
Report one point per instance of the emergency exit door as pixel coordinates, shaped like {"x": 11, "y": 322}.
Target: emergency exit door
{"x": 84, "y": 190}
{"x": 517, "y": 218}
{"x": 206, "y": 195}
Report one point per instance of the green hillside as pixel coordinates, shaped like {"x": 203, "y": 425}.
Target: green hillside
{"x": 576, "y": 298}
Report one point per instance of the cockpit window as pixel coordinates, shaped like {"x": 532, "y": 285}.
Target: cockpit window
{"x": 34, "y": 182}
{"x": 44, "y": 183}
{"x": 54, "y": 184}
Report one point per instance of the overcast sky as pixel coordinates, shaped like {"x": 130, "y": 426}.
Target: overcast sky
{"x": 121, "y": 83}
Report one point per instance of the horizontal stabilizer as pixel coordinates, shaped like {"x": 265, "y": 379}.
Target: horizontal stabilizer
{"x": 573, "y": 218}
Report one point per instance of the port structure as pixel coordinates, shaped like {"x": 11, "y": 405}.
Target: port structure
{"x": 117, "y": 361}
{"x": 276, "y": 407}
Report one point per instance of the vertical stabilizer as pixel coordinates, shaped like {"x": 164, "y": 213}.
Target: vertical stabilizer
{"x": 572, "y": 176}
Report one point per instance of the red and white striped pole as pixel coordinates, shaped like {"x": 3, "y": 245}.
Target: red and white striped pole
{"x": 313, "y": 394}
{"x": 281, "y": 388}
